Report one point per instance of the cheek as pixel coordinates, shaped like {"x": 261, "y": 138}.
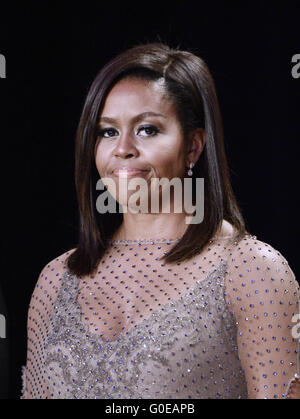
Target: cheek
{"x": 101, "y": 158}
{"x": 170, "y": 159}
{"x": 97, "y": 158}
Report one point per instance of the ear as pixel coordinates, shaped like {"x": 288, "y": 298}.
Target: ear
{"x": 196, "y": 143}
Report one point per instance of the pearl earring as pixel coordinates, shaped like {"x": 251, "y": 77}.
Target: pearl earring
{"x": 190, "y": 172}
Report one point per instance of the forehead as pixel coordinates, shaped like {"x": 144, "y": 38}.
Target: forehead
{"x": 132, "y": 95}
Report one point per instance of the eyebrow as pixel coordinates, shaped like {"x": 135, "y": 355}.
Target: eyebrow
{"x": 134, "y": 119}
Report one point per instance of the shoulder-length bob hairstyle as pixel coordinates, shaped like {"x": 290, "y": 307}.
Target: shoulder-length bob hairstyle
{"x": 190, "y": 86}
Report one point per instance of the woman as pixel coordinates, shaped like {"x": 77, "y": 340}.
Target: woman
{"x": 151, "y": 304}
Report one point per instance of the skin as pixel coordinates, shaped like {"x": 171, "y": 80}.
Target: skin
{"x": 295, "y": 390}
{"x": 166, "y": 153}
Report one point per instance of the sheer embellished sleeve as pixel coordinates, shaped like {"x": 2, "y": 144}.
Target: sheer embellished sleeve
{"x": 34, "y": 385}
{"x": 263, "y": 294}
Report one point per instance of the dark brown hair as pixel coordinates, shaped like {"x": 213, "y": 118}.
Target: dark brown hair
{"x": 191, "y": 88}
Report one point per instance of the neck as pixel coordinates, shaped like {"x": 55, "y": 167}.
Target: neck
{"x": 151, "y": 227}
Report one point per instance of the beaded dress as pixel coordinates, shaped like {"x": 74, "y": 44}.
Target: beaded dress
{"x": 219, "y": 325}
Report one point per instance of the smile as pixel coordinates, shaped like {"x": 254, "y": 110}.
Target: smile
{"x": 129, "y": 172}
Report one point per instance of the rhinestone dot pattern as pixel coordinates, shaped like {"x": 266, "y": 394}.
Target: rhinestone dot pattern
{"x": 216, "y": 326}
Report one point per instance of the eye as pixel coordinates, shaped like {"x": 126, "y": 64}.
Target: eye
{"x": 149, "y": 130}
{"x": 107, "y": 132}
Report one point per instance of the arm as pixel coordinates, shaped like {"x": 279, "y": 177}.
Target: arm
{"x": 263, "y": 294}
{"x": 40, "y": 310}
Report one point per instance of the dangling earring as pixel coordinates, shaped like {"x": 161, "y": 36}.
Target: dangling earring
{"x": 190, "y": 172}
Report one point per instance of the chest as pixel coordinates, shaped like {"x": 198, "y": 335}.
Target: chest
{"x": 120, "y": 299}
{"x": 184, "y": 348}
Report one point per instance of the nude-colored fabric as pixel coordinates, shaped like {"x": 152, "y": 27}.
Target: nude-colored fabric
{"x": 216, "y": 326}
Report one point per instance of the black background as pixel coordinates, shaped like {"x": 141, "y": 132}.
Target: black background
{"x": 54, "y": 52}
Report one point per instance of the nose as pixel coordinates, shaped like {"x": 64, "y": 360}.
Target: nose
{"x": 125, "y": 147}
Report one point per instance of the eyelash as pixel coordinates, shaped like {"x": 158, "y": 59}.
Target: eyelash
{"x": 101, "y": 132}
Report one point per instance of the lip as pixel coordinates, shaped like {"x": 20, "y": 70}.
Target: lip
{"x": 124, "y": 172}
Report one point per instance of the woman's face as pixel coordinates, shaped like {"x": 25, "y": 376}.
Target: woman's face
{"x": 139, "y": 130}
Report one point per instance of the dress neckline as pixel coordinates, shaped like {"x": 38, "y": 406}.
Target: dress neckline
{"x": 159, "y": 240}
{"x": 145, "y": 241}
{"x": 215, "y": 274}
